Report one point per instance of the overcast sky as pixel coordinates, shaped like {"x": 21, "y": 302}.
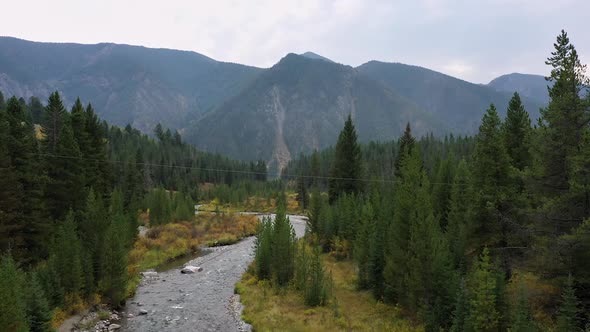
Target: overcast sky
{"x": 476, "y": 40}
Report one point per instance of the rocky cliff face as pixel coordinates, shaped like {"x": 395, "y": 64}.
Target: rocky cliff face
{"x": 300, "y": 105}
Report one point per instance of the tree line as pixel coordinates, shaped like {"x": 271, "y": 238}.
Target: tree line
{"x": 490, "y": 233}
{"x": 71, "y": 189}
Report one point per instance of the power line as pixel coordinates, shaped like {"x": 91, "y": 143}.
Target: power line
{"x": 319, "y": 177}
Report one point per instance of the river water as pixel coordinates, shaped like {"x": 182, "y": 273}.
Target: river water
{"x": 203, "y": 301}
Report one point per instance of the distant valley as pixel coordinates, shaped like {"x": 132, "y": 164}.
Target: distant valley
{"x": 250, "y": 113}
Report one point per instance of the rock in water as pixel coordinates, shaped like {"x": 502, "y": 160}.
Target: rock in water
{"x": 191, "y": 269}
{"x": 114, "y": 327}
{"x": 143, "y": 312}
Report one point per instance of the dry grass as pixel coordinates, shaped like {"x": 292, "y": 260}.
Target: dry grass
{"x": 350, "y": 310}
{"x": 167, "y": 242}
{"x": 253, "y": 204}
{"x": 543, "y": 296}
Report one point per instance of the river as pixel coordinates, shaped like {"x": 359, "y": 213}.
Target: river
{"x": 203, "y": 301}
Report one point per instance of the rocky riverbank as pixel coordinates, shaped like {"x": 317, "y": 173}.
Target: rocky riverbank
{"x": 199, "y": 301}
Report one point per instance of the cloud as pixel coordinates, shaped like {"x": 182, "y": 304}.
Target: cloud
{"x": 470, "y": 39}
{"x": 458, "y": 69}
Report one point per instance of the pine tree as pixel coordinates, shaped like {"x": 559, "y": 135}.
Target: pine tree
{"x": 411, "y": 177}
{"x": 282, "y": 245}
{"x": 66, "y": 254}
{"x": 567, "y": 319}
{"x": 347, "y": 167}
{"x": 315, "y": 168}
{"x": 441, "y": 190}
{"x": 93, "y": 226}
{"x": 565, "y": 116}
{"x": 78, "y": 121}
{"x": 22, "y": 151}
{"x": 38, "y": 313}
{"x": 65, "y": 188}
{"x": 458, "y": 216}
{"x": 114, "y": 265}
{"x": 160, "y": 209}
{"x": 362, "y": 247}
{"x": 430, "y": 278}
{"x": 483, "y": 314}
{"x": 302, "y": 196}
{"x": 316, "y": 290}
{"x": 12, "y": 301}
{"x": 313, "y": 214}
{"x": 159, "y": 132}
{"x": 263, "y": 249}
{"x": 493, "y": 189}
{"x": 11, "y": 195}
{"x": 418, "y": 273}
{"x": 406, "y": 145}
{"x": 97, "y": 171}
{"x": 55, "y": 113}
{"x": 516, "y": 133}
{"x": 378, "y": 246}
{"x": 577, "y": 200}
{"x": 36, "y": 108}
{"x": 461, "y": 311}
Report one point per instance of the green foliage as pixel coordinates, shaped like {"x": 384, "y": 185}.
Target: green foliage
{"x": 38, "y": 313}
{"x": 114, "y": 277}
{"x": 461, "y": 310}
{"x": 160, "y": 207}
{"x": 516, "y": 133}
{"x": 347, "y": 169}
{"x": 275, "y": 247}
{"x": 263, "y": 249}
{"x": 66, "y": 256}
{"x": 567, "y": 319}
{"x": 282, "y": 247}
{"x": 12, "y": 303}
{"x": 317, "y": 287}
{"x": 564, "y": 118}
{"x": 363, "y": 245}
{"x": 313, "y": 223}
{"x": 441, "y": 189}
{"x": 406, "y": 145}
{"x": 483, "y": 312}
{"x": 302, "y": 196}
{"x": 409, "y": 196}
{"x": 458, "y": 216}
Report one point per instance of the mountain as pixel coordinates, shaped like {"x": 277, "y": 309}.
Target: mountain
{"x": 531, "y": 86}
{"x": 126, "y": 84}
{"x": 300, "y": 104}
{"x": 311, "y": 55}
{"x": 458, "y": 104}
{"x": 273, "y": 114}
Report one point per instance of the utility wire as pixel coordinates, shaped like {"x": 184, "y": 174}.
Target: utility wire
{"x": 319, "y": 177}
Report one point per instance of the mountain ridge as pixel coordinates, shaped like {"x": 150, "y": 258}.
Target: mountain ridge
{"x": 297, "y": 105}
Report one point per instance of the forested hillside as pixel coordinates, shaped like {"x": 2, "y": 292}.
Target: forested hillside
{"x": 531, "y": 86}
{"x": 126, "y": 84}
{"x": 71, "y": 189}
{"x": 455, "y": 102}
{"x": 249, "y": 113}
{"x": 298, "y": 105}
{"x": 490, "y": 233}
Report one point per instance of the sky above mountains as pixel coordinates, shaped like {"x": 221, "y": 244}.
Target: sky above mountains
{"x": 472, "y": 40}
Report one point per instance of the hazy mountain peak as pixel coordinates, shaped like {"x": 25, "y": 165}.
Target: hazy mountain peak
{"x": 528, "y": 85}
{"x": 315, "y": 56}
